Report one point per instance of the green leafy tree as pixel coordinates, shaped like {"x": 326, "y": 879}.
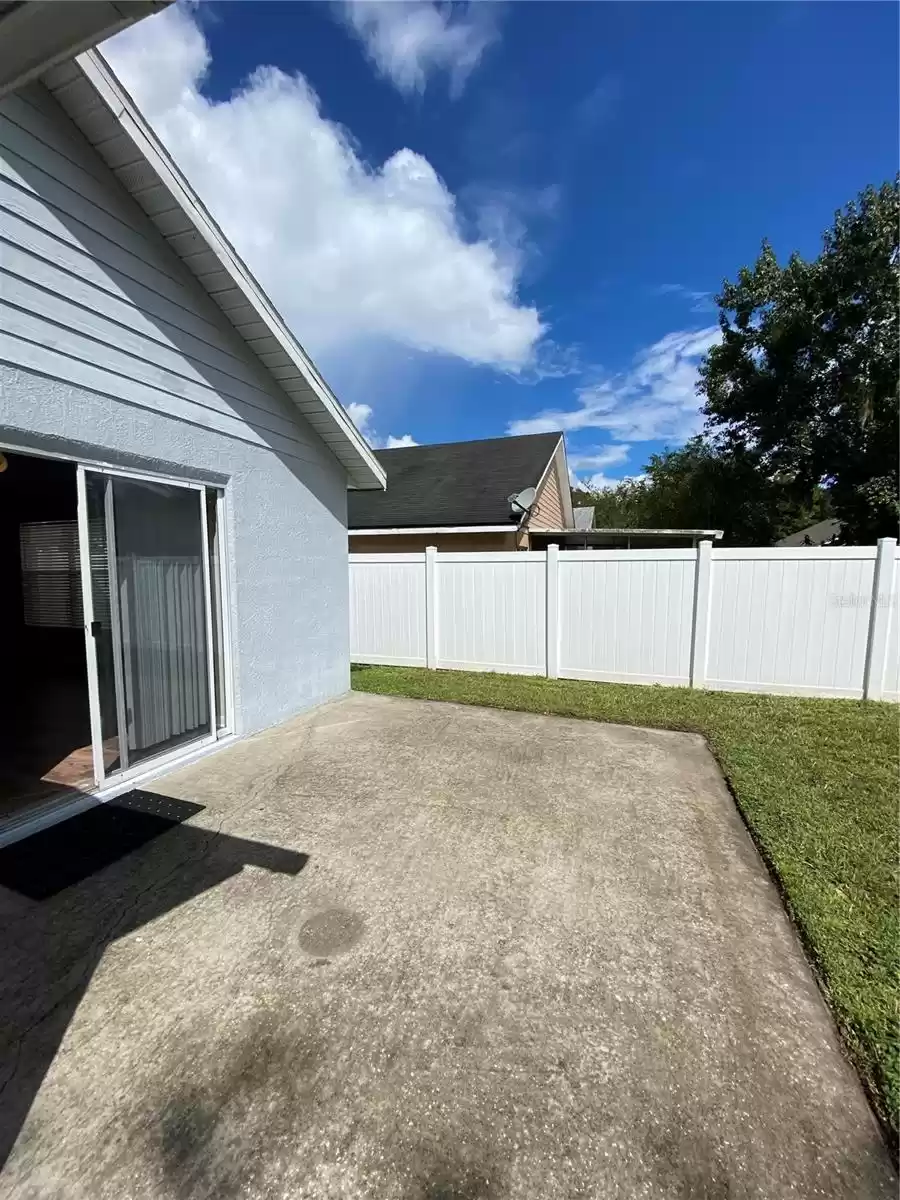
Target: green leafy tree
{"x": 624, "y": 506}
{"x": 705, "y": 486}
{"x": 805, "y": 381}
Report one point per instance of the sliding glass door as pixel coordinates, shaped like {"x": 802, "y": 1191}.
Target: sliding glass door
{"x": 150, "y": 630}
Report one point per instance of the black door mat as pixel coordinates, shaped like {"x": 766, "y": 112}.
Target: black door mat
{"x": 46, "y": 863}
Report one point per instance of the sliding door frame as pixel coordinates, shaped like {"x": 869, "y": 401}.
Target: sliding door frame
{"x": 125, "y": 771}
{"x": 87, "y": 613}
{"x": 223, "y": 531}
{"x": 208, "y": 614}
{"x": 115, "y": 621}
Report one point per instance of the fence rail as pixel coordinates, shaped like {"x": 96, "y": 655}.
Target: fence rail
{"x": 809, "y": 621}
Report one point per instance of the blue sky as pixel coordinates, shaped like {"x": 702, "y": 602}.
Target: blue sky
{"x": 501, "y": 218}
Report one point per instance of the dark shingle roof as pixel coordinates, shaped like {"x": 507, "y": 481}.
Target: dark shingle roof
{"x": 457, "y": 483}
{"x": 819, "y": 534}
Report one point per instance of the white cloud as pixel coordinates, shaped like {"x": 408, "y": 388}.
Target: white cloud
{"x": 361, "y": 416}
{"x": 597, "y": 482}
{"x": 598, "y": 107}
{"x": 408, "y": 40}
{"x": 350, "y": 253}
{"x": 656, "y": 398}
{"x": 595, "y": 460}
{"x": 700, "y": 302}
{"x": 586, "y": 468}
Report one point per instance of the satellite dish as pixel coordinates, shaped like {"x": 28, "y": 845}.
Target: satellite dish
{"x": 520, "y": 502}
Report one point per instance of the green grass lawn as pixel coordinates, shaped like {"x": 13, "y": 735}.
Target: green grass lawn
{"x": 817, "y": 783}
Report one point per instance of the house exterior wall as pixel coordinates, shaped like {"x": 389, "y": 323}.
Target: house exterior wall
{"x": 112, "y": 351}
{"x": 547, "y": 512}
{"x": 412, "y": 543}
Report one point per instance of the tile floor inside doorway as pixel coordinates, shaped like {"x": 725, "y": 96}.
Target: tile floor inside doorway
{"x": 45, "y": 744}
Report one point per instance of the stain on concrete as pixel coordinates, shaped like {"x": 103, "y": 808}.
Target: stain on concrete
{"x": 685, "y": 1163}
{"x": 217, "y": 1134}
{"x": 330, "y": 932}
{"x": 449, "y": 1176}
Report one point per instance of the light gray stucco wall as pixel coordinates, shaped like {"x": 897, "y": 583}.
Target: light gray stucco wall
{"x": 287, "y": 543}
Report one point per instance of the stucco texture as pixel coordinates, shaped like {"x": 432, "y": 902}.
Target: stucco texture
{"x": 286, "y": 539}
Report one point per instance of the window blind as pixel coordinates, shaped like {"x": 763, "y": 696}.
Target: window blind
{"x": 51, "y": 574}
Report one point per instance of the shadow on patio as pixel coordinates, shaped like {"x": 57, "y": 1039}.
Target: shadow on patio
{"x": 69, "y": 892}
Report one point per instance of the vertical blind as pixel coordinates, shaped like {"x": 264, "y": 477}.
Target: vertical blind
{"x": 161, "y": 600}
{"x": 51, "y": 575}
{"x": 163, "y": 615}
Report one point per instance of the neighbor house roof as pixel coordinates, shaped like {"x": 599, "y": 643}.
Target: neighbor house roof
{"x": 819, "y": 534}
{"x": 93, "y": 98}
{"x": 456, "y": 484}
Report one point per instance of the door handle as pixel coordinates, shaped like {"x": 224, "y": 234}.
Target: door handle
{"x": 96, "y": 628}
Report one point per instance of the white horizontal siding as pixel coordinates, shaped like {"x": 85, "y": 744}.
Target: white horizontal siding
{"x": 29, "y": 251}
{"x": 35, "y": 196}
{"x": 86, "y": 338}
{"x": 35, "y": 111}
{"x": 93, "y": 296}
{"x": 33, "y": 228}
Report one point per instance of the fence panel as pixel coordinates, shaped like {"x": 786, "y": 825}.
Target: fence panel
{"x": 793, "y": 621}
{"x": 626, "y": 616}
{"x": 491, "y": 612}
{"x": 797, "y": 620}
{"x": 387, "y": 610}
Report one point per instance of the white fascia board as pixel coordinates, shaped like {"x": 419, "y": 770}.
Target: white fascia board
{"x": 698, "y": 533}
{"x": 565, "y": 486}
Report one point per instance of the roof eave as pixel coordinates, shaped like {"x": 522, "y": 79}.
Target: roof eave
{"x": 565, "y": 483}
{"x": 310, "y": 394}
{"x": 36, "y": 35}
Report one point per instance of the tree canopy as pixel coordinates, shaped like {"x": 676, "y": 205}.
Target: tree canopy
{"x": 700, "y": 486}
{"x": 805, "y": 380}
{"x": 800, "y": 397}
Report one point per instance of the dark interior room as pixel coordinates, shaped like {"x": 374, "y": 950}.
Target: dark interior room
{"x": 45, "y": 740}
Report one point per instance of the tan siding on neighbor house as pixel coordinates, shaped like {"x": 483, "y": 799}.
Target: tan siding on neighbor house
{"x": 548, "y": 508}
{"x": 411, "y": 543}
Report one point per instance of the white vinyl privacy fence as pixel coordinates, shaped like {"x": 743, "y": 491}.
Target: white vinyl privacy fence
{"x": 807, "y": 621}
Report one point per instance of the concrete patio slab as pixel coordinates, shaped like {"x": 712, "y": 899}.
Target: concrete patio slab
{"x": 419, "y": 951}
